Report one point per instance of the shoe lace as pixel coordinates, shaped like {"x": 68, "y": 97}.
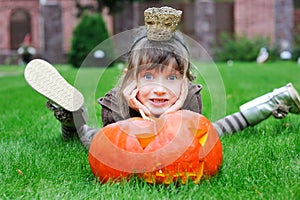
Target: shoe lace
{"x": 280, "y": 111}
{"x": 60, "y": 113}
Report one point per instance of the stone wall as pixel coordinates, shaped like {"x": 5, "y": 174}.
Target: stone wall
{"x": 205, "y": 24}
{"x": 255, "y": 17}
{"x": 284, "y": 21}
{"x": 271, "y": 19}
{"x": 53, "y": 41}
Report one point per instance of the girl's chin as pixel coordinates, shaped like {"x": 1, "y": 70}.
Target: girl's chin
{"x": 157, "y": 113}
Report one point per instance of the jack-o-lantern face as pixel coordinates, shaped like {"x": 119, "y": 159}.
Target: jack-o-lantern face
{"x": 176, "y": 147}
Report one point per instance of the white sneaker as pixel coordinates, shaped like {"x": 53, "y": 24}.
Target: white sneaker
{"x": 46, "y": 80}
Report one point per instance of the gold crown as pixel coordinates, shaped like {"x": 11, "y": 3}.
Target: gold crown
{"x": 161, "y": 23}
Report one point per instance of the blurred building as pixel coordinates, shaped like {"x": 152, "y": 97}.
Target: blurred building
{"x": 50, "y": 22}
{"x": 273, "y": 19}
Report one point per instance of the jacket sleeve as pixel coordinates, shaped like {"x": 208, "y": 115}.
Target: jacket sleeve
{"x": 107, "y": 116}
{"x": 111, "y": 111}
{"x": 193, "y": 101}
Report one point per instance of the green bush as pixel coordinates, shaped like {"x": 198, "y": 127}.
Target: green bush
{"x": 239, "y": 48}
{"x": 89, "y": 33}
{"x": 296, "y": 47}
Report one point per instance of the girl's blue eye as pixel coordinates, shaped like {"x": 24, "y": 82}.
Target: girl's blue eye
{"x": 172, "y": 78}
{"x": 148, "y": 76}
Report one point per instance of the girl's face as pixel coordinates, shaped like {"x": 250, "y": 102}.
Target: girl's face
{"x": 159, "y": 89}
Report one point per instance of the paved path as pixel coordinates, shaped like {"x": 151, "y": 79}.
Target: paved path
{"x": 10, "y": 74}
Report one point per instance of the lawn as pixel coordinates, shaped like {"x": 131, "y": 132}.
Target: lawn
{"x": 261, "y": 162}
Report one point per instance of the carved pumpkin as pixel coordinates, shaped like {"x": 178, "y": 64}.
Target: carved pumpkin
{"x": 176, "y": 147}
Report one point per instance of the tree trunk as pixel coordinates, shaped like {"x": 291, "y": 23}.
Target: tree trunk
{"x": 205, "y": 24}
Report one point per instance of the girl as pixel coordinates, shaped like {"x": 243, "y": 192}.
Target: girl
{"x": 157, "y": 81}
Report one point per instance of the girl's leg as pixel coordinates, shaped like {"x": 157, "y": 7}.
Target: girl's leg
{"x": 73, "y": 124}
{"x": 231, "y": 124}
{"x": 65, "y": 100}
{"x": 277, "y": 103}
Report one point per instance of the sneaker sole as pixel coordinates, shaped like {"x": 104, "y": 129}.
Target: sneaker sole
{"x": 46, "y": 80}
{"x": 294, "y": 94}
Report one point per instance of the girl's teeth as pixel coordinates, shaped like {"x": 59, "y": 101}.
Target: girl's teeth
{"x": 158, "y": 100}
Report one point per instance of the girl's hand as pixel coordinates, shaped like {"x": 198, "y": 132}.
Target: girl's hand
{"x": 183, "y": 94}
{"x": 130, "y": 93}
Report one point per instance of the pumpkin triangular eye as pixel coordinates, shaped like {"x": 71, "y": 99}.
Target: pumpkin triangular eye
{"x": 145, "y": 139}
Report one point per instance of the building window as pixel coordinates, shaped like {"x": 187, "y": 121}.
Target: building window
{"x": 19, "y": 27}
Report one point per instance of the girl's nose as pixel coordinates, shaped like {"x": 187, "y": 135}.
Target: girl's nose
{"x": 159, "y": 90}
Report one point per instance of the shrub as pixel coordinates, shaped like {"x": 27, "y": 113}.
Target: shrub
{"x": 239, "y": 48}
{"x": 89, "y": 32}
{"x": 296, "y": 47}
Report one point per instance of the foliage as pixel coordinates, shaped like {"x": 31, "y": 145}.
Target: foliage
{"x": 89, "y": 33}
{"x": 296, "y": 46}
{"x": 239, "y": 48}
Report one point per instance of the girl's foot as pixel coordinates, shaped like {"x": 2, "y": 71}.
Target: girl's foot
{"x": 278, "y": 103}
{"x": 46, "y": 80}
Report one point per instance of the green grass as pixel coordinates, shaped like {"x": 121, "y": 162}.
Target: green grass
{"x": 261, "y": 162}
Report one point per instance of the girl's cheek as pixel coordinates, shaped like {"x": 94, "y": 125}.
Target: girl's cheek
{"x": 141, "y": 84}
{"x": 175, "y": 89}
{"x": 139, "y": 94}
